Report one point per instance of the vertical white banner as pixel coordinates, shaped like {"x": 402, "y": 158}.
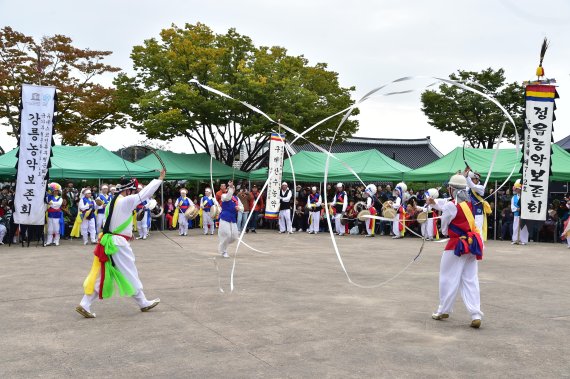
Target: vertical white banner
{"x": 275, "y": 172}
{"x": 537, "y": 151}
{"x": 36, "y": 127}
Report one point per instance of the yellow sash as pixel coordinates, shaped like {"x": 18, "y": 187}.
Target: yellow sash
{"x": 175, "y": 217}
{"x": 469, "y": 216}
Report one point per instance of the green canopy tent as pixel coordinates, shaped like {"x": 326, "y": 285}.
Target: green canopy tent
{"x": 480, "y": 160}
{"x": 82, "y": 162}
{"x": 370, "y": 165}
{"x": 191, "y": 166}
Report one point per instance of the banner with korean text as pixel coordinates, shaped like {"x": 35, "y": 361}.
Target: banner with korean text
{"x": 275, "y": 172}
{"x": 539, "y": 118}
{"x": 35, "y": 141}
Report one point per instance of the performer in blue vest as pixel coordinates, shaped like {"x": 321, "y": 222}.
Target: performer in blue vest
{"x": 520, "y": 235}
{"x": 55, "y": 223}
{"x": 143, "y": 222}
{"x": 87, "y": 210}
{"x": 208, "y": 201}
{"x": 227, "y": 231}
{"x": 314, "y": 206}
{"x": 101, "y": 202}
{"x": 183, "y": 203}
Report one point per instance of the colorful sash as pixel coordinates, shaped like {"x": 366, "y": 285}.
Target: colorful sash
{"x": 103, "y": 263}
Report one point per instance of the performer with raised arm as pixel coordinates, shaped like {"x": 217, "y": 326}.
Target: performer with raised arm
{"x": 285, "y": 196}
{"x": 227, "y": 231}
{"x": 56, "y": 226}
{"x": 458, "y": 268}
{"x": 340, "y": 203}
{"x": 398, "y": 204}
{"x": 114, "y": 261}
{"x": 520, "y": 234}
{"x": 477, "y": 192}
{"x": 101, "y": 202}
{"x": 206, "y": 204}
{"x": 314, "y": 202}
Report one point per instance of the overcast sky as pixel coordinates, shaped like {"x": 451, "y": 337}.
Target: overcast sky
{"x": 367, "y": 42}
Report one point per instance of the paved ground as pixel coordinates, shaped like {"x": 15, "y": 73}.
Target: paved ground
{"x": 293, "y": 314}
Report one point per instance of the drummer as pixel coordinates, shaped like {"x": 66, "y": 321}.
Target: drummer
{"x": 143, "y": 217}
{"x": 398, "y": 223}
{"x": 370, "y": 194}
{"x": 314, "y": 202}
{"x": 101, "y": 202}
{"x": 429, "y": 227}
{"x": 208, "y": 201}
{"x": 339, "y": 204}
{"x": 183, "y": 203}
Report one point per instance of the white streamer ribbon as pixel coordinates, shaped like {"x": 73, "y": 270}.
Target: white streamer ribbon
{"x": 347, "y": 112}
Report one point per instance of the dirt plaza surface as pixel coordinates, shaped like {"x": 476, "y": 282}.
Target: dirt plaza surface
{"x": 292, "y": 313}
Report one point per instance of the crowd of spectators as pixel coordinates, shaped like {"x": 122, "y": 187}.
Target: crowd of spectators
{"x": 549, "y": 231}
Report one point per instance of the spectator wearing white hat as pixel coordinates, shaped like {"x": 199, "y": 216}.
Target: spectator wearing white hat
{"x": 285, "y": 195}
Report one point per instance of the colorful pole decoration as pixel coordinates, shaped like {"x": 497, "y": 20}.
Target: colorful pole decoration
{"x": 275, "y": 172}
{"x": 37, "y": 106}
{"x": 536, "y": 168}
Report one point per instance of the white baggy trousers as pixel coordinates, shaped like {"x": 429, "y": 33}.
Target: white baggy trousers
{"x": 459, "y": 274}
{"x": 227, "y": 233}
{"x": 207, "y": 222}
{"x": 88, "y": 227}
{"x": 124, "y": 260}
{"x": 315, "y": 219}
{"x": 523, "y": 236}
{"x": 53, "y": 230}
{"x": 285, "y": 221}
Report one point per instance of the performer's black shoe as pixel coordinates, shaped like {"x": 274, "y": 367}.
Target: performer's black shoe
{"x": 153, "y": 304}
{"x": 84, "y": 312}
{"x": 369, "y": 235}
{"x": 439, "y": 316}
{"x": 475, "y": 324}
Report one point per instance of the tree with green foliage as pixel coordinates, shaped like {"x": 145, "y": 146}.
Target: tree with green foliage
{"x": 471, "y": 116}
{"x": 84, "y": 108}
{"x": 163, "y": 104}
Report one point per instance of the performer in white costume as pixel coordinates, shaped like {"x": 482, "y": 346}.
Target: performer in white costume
{"x": 398, "y": 228}
{"x": 285, "y": 196}
{"x": 520, "y": 235}
{"x": 208, "y": 201}
{"x": 458, "y": 268}
{"x": 114, "y": 261}
{"x": 340, "y": 203}
{"x": 87, "y": 210}
{"x": 227, "y": 231}
{"x": 183, "y": 203}
{"x": 101, "y": 202}
{"x": 55, "y": 222}
{"x": 314, "y": 203}
{"x": 429, "y": 228}
{"x": 370, "y": 194}
{"x": 144, "y": 223}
